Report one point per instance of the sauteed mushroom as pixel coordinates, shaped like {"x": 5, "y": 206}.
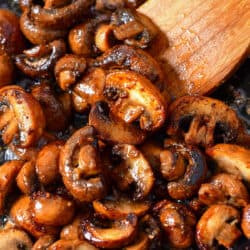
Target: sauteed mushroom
{"x": 111, "y": 128}
{"x": 44, "y": 242}
{"x": 203, "y": 121}
{"x": 71, "y": 231}
{"x": 71, "y": 245}
{"x": 218, "y": 223}
{"x": 245, "y": 222}
{"x": 39, "y": 61}
{"x": 232, "y": 159}
{"x": 21, "y": 117}
{"x": 224, "y": 188}
{"x": 119, "y": 234}
{"x": 80, "y": 167}
{"x": 133, "y": 97}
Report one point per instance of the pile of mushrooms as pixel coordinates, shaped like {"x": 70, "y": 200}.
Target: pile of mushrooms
{"x": 138, "y": 170}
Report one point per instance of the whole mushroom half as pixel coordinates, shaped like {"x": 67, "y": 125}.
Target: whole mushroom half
{"x": 203, "y": 121}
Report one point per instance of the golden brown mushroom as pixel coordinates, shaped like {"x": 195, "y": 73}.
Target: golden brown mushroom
{"x": 71, "y": 231}
{"x": 218, "y": 223}
{"x": 44, "y": 242}
{"x": 6, "y": 69}
{"x": 72, "y": 245}
{"x": 245, "y": 221}
{"x": 21, "y": 117}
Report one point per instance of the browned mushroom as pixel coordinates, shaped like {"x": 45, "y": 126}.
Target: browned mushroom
{"x": 6, "y": 69}
{"x": 80, "y": 166}
{"x": 51, "y": 210}
{"x": 134, "y": 59}
{"x": 134, "y": 169}
{"x": 89, "y": 89}
{"x": 8, "y": 173}
{"x": 203, "y": 121}
{"x": 40, "y": 60}
{"x": 232, "y": 159}
{"x": 245, "y": 222}
{"x": 56, "y": 117}
{"x": 68, "y": 69}
{"x": 178, "y": 222}
{"x": 58, "y": 17}
{"x": 50, "y": 4}
{"x": 183, "y": 184}
{"x": 116, "y": 4}
{"x": 133, "y": 97}
{"x": 21, "y": 117}
{"x": 113, "y": 129}
{"x": 118, "y": 234}
{"x": 218, "y": 223}
{"x": 72, "y": 245}
{"x": 14, "y": 239}
{"x": 132, "y": 27}
{"x": 224, "y": 188}
{"x": 120, "y": 207}
{"x": 27, "y": 179}
{"x": 36, "y": 34}
{"x": 44, "y": 242}
{"x": 47, "y": 163}
{"x": 71, "y": 231}
{"x": 22, "y": 216}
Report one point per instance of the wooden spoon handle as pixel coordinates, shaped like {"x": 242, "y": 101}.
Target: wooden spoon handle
{"x": 206, "y": 39}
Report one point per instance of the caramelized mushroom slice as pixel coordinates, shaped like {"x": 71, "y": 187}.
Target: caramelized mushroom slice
{"x": 113, "y": 129}
{"x": 218, "y": 223}
{"x": 133, "y": 97}
{"x": 89, "y": 89}
{"x": 68, "y": 69}
{"x": 15, "y": 239}
{"x": 224, "y": 188}
{"x": 21, "y": 214}
{"x": 176, "y": 157}
{"x": 232, "y": 159}
{"x": 80, "y": 166}
{"x": 21, "y": 117}
{"x": 134, "y": 59}
{"x": 36, "y": 34}
{"x": 117, "y": 208}
{"x": 51, "y": 210}
{"x": 134, "y": 169}
{"x": 245, "y": 222}
{"x": 8, "y": 173}
{"x": 44, "y": 242}
{"x": 40, "y": 60}
{"x": 47, "y": 163}
{"x": 6, "y": 70}
{"x": 72, "y": 245}
{"x": 71, "y": 231}
{"x": 59, "y": 17}
{"x": 56, "y": 117}
{"x": 119, "y": 234}
{"x": 178, "y": 223}
{"x": 142, "y": 243}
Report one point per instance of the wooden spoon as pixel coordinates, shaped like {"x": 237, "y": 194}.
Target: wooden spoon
{"x": 205, "y": 41}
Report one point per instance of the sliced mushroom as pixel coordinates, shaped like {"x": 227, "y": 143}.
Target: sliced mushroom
{"x": 245, "y": 222}
{"x": 183, "y": 185}
{"x": 178, "y": 223}
{"x": 218, "y": 223}
{"x": 132, "y": 27}
{"x": 8, "y": 173}
{"x": 56, "y": 117}
{"x": 36, "y": 34}
{"x": 133, "y": 97}
{"x": 112, "y": 208}
{"x": 6, "y": 69}
{"x": 68, "y": 69}
{"x": 47, "y": 163}
{"x": 15, "y": 239}
{"x": 72, "y": 245}
{"x": 134, "y": 59}
{"x": 203, "y": 121}
{"x": 21, "y": 214}
{"x": 142, "y": 242}
{"x": 59, "y": 17}
{"x": 134, "y": 169}
{"x": 80, "y": 166}
{"x": 224, "y": 188}
{"x": 51, "y": 210}
{"x": 119, "y": 234}
{"x": 113, "y": 129}
{"x": 89, "y": 89}
{"x": 232, "y": 159}
{"x": 44, "y": 242}
{"x": 71, "y": 231}
{"x": 27, "y": 179}
{"x": 21, "y": 117}
{"x": 40, "y": 60}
